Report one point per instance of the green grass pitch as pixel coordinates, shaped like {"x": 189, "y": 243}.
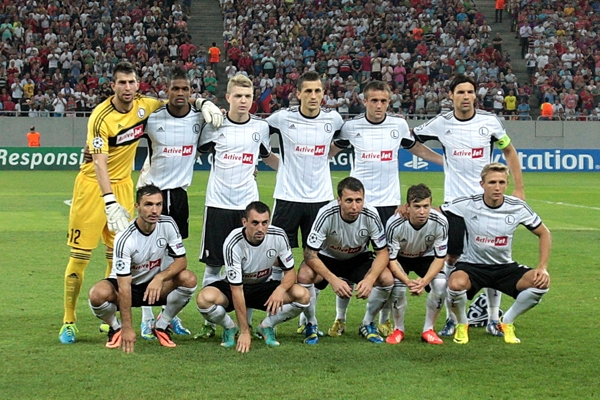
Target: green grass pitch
{"x": 558, "y": 356}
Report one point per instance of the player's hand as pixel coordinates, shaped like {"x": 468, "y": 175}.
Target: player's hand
{"x": 416, "y": 287}
{"x": 341, "y": 288}
{"x": 244, "y": 341}
{"x": 520, "y": 193}
{"x": 275, "y": 301}
{"x": 87, "y": 156}
{"x": 152, "y": 293}
{"x": 541, "y": 278}
{"x": 363, "y": 289}
{"x": 402, "y": 210}
{"x": 128, "y": 337}
{"x": 210, "y": 112}
{"x": 116, "y": 215}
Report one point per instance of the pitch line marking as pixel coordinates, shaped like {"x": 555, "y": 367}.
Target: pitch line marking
{"x": 560, "y": 203}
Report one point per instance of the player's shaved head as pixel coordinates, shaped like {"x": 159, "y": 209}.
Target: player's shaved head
{"x": 147, "y": 190}
{"x": 257, "y": 206}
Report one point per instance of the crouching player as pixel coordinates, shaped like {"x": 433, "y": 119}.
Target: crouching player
{"x": 417, "y": 243}
{"x": 491, "y": 219}
{"x": 249, "y": 253}
{"x": 138, "y": 276}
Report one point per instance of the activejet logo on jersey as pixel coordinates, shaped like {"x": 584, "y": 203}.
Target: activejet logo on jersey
{"x": 316, "y": 151}
{"x": 259, "y": 274}
{"x": 183, "y": 151}
{"x": 244, "y": 158}
{"x": 149, "y": 265}
{"x": 131, "y": 134}
{"x": 468, "y": 153}
{"x": 499, "y": 241}
{"x": 348, "y": 250}
{"x": 384, "y": 155}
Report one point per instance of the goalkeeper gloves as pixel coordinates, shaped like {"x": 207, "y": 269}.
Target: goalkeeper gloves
{"x": 116, "y": 215}
{"x": 210, "y": 112}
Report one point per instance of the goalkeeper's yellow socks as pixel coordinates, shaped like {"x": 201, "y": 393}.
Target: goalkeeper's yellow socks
{"x": 78, "y": 260}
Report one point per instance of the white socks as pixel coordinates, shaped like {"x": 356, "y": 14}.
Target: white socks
{"x": 525, "y": 301}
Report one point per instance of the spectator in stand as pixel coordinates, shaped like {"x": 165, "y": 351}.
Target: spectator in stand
{"x": 547, "y": 110}
{"x": 523, "y": 110}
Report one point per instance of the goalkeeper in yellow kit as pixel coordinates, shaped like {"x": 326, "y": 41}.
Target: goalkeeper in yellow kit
{"x": 103, "y": 191}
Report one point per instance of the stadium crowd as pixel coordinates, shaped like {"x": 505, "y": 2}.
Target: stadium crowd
{"x": 560, "y": 43}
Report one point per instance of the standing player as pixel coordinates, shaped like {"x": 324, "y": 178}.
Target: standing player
{"x": 231, "y": 184}
{"x": 141, "y": 276}
{"x": 417, "y": 243}
{"x": 114, "y": 129}
{"x": 303, "y": 184}
{"x": 337, "y": 253}
{"x": 173, "y": 132}
{"x": 376, "y": 138}
{"x": 250, "y": 253}
{"x": 467, "y": 136}
{"x": 491, "y": 219}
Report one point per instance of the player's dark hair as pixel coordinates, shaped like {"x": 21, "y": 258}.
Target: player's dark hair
{"x": 146, "y": 190}
{"x": 462, "y": 79}
{"x": 124, "y": 67}
{"x": 377, "y": 85}
{"x": 177, "y": 72}
{"x": 417, "y": 193}
{"x": 351, "y": 184}
{"x": 309, "y": 76}
{"x": 257, "y": 206}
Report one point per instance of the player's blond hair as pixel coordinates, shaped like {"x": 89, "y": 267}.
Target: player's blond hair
{"x": 493, "y": 167}
{"x": 239, "y": 81}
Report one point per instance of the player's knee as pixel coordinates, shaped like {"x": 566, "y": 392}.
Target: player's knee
{"x": 100, "y": 292}
{"x": 207, "y": 297}
{"x": 438, "y": 286}
{"x": 300, "y": 294}
{"x": 306, "y": 275}
{"x": 459, "y": 280}
{"x": 187, "y": 279}
{"x": 385, "y": 279}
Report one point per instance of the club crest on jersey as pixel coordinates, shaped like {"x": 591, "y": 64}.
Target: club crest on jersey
{"x": 363, "y": 233}
{"x": 483, "y": 131}
{"x": 395, "y": 134}
{"x": 429, "y": 239}
{"x": 510, "y": 220}
{"x": 256, "y": 136}
{"x": 161, "y": 242}
{"x": 196, "y": 128}
{"x": 468, "y": 153}
{"x": 499, "y": 241}
{"x": 141, "y": 113}
{"x": 131, "y": 134}
{"x": 271, "y": 253}
{"x": 317, "y": 151}
{"x": 328, "y": 127}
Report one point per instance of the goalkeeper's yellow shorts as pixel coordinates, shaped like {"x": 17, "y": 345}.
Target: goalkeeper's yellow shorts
{"x": 87, "y": 220}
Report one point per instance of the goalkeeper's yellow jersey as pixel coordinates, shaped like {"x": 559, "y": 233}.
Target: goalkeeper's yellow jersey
{"x": 117, "y": 134}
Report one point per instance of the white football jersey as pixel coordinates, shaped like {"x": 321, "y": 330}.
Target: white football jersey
{"x": 246, "y": 263}
{"x": 376, "y": 156}
{"x": 467, "y": 146}
{"x": 429, "y": 240}
{"x": 336, "y": 238}
{"x": 237, "y": 146}
{"x": 490, "y": 230}
{"x": 172, "y": 143}
{"x": 303, "y": 174}
{"x": 143, "y": 256}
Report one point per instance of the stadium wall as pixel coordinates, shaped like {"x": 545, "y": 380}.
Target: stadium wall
{"x": 67, "y": 132}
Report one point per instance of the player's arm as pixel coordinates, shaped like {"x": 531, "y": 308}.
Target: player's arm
{"x": 272, "y": 161}
{"x": 512, "y": 160}
{"x": 239, "y": 305}
{"x": 381, "y": 261}
{"x": 153, "y": 291}
{"x": 420, "y": 150}
{"x": 278, "y": 297}
{"x": 398, "y": 272}
{"x": 124, "y": 297}
{"x": 116, "y": 215}
{"x": 542, "y": 278}
{"x": 334, "y": 149}
{"x": 339, "y": 286}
